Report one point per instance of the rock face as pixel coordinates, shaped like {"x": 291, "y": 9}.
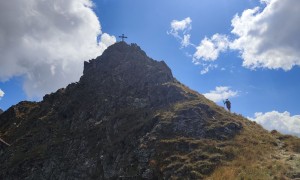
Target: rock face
{"x": 127, "y": 117}
{"x": 1, "y": 111}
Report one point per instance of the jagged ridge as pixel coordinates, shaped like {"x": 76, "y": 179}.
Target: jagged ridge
{"x": 127, "y": 117}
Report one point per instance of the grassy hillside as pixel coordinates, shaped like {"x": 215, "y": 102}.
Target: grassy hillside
{"x": 254, "y": 153}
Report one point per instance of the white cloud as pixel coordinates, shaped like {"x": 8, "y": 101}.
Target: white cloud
{"x": 186, "y": 40}
{"x": 207, "y": 68}
{"x": 220, "y": 93}
{"x": 282, "y": 122}
{"x": 209, "y": 49}
{"x": 1, "y": 94}
{"x": 270, "y": 38}
{"x": 47, "y": 42}
{"x": 181, "y": 31}
{"x": 183, "y": 25}
{"x": 106, "y": 40}
{"x": 267, "y": 38}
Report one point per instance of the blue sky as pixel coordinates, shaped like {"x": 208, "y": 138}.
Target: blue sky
{"x": 247, "y": 51}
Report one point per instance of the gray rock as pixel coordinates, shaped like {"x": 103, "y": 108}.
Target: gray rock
{"x": 116, "y": 122}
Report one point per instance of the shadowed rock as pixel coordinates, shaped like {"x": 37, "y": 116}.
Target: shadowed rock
{"x": 127, "y": 117}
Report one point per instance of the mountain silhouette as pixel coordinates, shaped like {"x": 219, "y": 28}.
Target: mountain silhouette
{"x": 129, "y": 118}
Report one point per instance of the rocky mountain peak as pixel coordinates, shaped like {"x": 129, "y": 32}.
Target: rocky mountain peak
{"x": 125, "y": 75}
{"x": 128, "y": 63}
{"x": 129, "y": 118}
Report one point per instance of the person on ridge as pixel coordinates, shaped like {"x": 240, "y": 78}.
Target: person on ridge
{"x": 228, "y": 104}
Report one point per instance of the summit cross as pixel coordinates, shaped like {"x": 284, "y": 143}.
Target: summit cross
{"x": 123, "y": 37}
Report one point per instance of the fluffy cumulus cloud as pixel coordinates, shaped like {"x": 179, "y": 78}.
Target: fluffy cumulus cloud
{"x": 106, "y": 40}
{"x": 221, "y": 93}
{"x": 209, "y": 49}
{"x": 180, "y": 29}
{"x": 1, "y": 94}
{"x": 183, "y": 25}
{"x": 267, "y": 37}
{"x": 47, "y": 42}
{"x": 282, "y": 122}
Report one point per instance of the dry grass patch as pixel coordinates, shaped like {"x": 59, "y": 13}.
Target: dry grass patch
{"x": 253, "y": 153}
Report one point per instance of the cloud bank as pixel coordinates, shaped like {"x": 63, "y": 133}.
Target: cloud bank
{"x": 282, "y": 122}
{"x": 220, "y": 93}
{"x": 46, "y": 42}
{"x": 268, "y": 38}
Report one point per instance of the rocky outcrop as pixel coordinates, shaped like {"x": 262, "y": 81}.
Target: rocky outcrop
{"x": 127, "y": 117}
{"x": 1, "y": 111}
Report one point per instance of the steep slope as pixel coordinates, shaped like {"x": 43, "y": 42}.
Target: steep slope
{"x": 128, "y": 117}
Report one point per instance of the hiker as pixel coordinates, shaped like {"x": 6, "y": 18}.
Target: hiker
{"x": 228, "y": 104}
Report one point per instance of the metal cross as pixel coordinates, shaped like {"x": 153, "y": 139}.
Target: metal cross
{"x": 123, "y": 37}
